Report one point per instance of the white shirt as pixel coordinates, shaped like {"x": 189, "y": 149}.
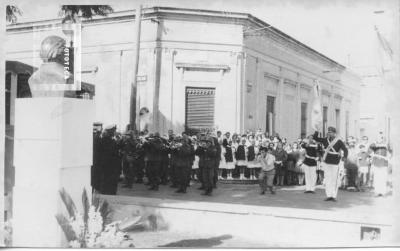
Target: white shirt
{"x": 267, "y": 163}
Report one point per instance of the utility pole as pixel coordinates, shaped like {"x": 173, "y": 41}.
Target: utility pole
{"x": 132, "y": 112}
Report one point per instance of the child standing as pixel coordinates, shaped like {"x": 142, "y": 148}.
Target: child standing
{"x": 267, "y": 173}
{"x": 363, "y": 162}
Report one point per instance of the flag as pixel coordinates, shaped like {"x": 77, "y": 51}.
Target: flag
{"x": 316, "y": 113}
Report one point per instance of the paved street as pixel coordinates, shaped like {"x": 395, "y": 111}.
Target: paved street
{"x": 287, "y": 197}
{"x": 235, "y": 214}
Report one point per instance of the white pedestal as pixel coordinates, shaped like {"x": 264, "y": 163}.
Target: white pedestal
{"x": 52, "y": 149}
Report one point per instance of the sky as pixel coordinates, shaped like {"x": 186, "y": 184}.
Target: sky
{"x": 340, "y": 29}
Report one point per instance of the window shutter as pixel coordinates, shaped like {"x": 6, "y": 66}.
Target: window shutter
{"x": 200, "y": 104}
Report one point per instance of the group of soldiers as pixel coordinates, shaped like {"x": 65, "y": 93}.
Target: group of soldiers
{"x": 162, "y": 160}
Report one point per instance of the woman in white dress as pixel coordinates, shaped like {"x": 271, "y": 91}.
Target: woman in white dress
{"x": 229, "y": 157}
{"x": 252, "y": 163}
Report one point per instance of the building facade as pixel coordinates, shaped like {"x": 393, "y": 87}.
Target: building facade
{"x": 201, "y": 69}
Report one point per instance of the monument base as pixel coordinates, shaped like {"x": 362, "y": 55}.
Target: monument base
{"x": 52, "y": 150}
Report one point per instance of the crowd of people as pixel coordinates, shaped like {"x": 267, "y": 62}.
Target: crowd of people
{"x": 177, "y": 159}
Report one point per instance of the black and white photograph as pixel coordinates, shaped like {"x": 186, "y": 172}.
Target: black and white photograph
{"x": 208, "y": 124}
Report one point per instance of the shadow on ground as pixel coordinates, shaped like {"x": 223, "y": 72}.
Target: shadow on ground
{"x": 198, "y": 243}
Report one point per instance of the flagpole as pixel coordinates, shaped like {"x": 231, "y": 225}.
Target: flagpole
{"x": 132, "y": 115}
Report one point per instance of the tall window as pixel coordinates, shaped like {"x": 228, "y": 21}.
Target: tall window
{"x": 337, "y": 115}
{"x": 270, "y": 115}
{"x": 303, "y": 125}
{"x": 324, "y": 120}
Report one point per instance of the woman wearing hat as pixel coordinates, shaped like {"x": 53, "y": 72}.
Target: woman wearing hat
{"x": 267, "y": 173}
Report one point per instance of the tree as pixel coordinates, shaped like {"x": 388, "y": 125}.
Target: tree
{"x": 67, "y": 11}
{"x": 71, "y": 12}
{"x": 12, "y": 12}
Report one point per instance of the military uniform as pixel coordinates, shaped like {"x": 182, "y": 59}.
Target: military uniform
{"x": 181, "y": 159}
{"x": 153, "y": 148}
{"x": 165, "y": 163}
{"x": 330, "y": 163}
{"x": 110, "y": 163}
{"x": 207, "y": 157}
{"x": 134, "y": 158}
{"x": 310, "y": 165}
{"x": 217, "y": 161}
{"x": 96, "y": 172}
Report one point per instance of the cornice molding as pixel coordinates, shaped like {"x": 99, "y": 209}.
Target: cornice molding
{"x": 269, "y": 75}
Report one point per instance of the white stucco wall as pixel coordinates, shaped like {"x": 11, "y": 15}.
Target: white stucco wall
{"x": 241, "y": 90}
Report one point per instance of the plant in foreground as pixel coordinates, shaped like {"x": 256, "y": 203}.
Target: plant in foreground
{"x": 93, "y": 228}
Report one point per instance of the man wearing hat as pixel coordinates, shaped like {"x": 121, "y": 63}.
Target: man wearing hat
{"x": 181, "y": 158}
{"x": 153, "y": 147}
{"x": 330, "y": 161}
{"x": 207, "y": 153}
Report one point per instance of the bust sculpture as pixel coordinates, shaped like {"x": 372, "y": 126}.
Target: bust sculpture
{"x": 51, "y": 72}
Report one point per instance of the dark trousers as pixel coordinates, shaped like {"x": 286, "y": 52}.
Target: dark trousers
{"x": 280, "y": 173}
{"x": 138, "y": 170}
{"x": 200, "y": 175}
{"x": 208, "y": 178}
{"x": 164, "y": 170}
{"x": 125, "y": 171}
{"x": 109, "y": 182}
{"x": 128, "y": 170}
{"x": 173, "y": 174}
{"x": 96, "y": 177}
{"x": 153, "y": 175}
{"x": 216, "y": 167}
{"x": 183, "y": 173}
{"x": 352, "y": 175}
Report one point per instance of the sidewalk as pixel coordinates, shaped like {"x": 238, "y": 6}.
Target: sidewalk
{"x": 238, "y": 210}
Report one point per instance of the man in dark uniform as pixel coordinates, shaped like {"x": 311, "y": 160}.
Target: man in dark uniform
{"x": 153, "y": 147}
{"x": 330, "y": 161}
{"x": 110, "y": 161}
{"x": 96, "y": 172}
{"x": 207, "y": 153}
{"x": 127, "y": 168}
{"x": 164, "y": 165}
{"x": 134, "y": 155}
{"x": 200, "y": 170}
{"x": 181, "y": 155}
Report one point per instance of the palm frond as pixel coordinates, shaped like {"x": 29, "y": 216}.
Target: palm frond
{"x": 105, "y": 212}
{"x": 11, "y": 13}
{"x": 68, "y": 202}
{"x": 95, "y": 201}
{"x": 66, "y": 227}
{"x": 86, "y": 205}
{"x": 86, "y": 11}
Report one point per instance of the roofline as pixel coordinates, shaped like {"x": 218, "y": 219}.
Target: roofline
{"x": 127, "y": 14}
